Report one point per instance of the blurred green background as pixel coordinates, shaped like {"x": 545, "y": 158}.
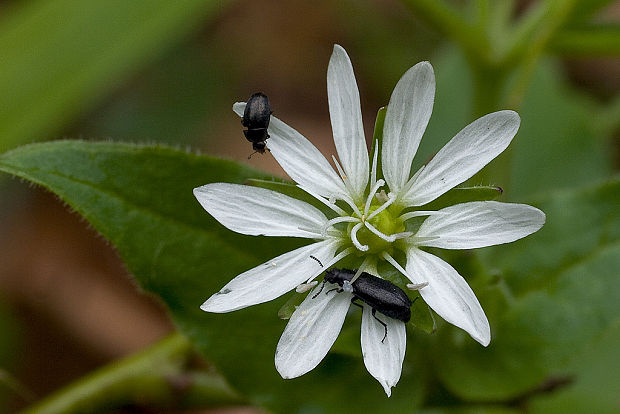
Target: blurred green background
{"x": 168, "y": 72}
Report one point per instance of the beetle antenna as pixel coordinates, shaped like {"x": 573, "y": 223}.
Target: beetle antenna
{"x": 317, "y": 260}
{"x": 250, "y": 156}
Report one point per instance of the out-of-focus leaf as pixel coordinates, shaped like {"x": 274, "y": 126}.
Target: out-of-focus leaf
{"x": 597, "y": 386}
{"x": 578, "y": 223}
{"x": 544, "y": 330}
{"x": 584, "y": 9}
{"x": 463, "y": 195}
{"x": 559, "y": 144}
{"x": 60, "y": 56}
{"x": 479, "y": 409}
{"x": 422, "y": 317}
{"x": 587, "y": 41}
{"x": 141, "y": 199}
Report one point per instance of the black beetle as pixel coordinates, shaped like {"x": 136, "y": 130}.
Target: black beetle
{"x": 256, "y": 118}
{"x": 381, "y": 295}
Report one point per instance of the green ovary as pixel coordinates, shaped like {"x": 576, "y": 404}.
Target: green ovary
{"x": 386, "y": 224}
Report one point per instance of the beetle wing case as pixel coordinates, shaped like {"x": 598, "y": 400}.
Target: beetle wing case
{"x": 257, "y": 112}
{"x": 384, "y": 296}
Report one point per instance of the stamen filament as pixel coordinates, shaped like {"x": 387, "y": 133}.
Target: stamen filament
{"x": 361, "y": 269}
{"x": 329, "y": 204}
{"x": 336, "y": 220}
{"x": 345, "y": 179}
{"x": 371, "y": 194}
{"x": 351, "y": 204}
{"x": 420, "y": 240}
{"x": 356, "y": 242}
{"x": 409, "y": 183}
{"x": 385, "y": 237}
{"x": 420, "y": 213}
{"x": 398, "y": 267}
{"x": 373, "y": 170}
{"x": 391, "y": 199}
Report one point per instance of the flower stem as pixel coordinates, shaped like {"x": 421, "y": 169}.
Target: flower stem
{"x": 447, "y": 21}
{"x": 156, "y": 376}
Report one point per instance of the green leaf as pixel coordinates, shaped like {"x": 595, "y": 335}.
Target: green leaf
{"x": 61, "y": 56}
{"x": 463, "y": 195}
{"x": 549, "y": 325}
{"x": 559, "y": 144}
{"x": 422, "y": 317}
{"x": 584, "y": 9}
{"x": 596, "y": 389}
{"x": 140, "y": 198}
{"x": 578, "y": 223}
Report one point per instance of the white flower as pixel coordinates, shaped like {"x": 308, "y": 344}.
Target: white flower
{"x": 368, "y": 218}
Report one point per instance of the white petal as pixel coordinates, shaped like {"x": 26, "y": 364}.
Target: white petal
{"x": 448, "y": 294}
{"x": 301, "y": 160}
{"x": 311, "y": 331}
{"x": 384, "y": 361}
{"x": 407, "y": 115}
{"x": 272, "y": 278}
{"x": 470, "y": 150}
{"x": 480, "y": 224}
{"x": 258, "y": 211}
{"x": 346, "y": 117}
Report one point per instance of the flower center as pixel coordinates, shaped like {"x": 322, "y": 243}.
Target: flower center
{"x": 377, "y": 232}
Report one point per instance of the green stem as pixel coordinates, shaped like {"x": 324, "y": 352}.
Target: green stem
{"x": 448, "y": 22}
{"x": 155, "y": 377}
{"x": 557, "y": 13}
{"x": 587, "y": 41}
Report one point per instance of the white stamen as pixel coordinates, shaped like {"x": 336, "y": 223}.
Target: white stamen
{"x": 391, "y": 199}
{"x": 304, "y": 287}
{"x": 373, "y": 171}
{"x": 347, "y": 219}
{"x": 417, "y": 286}
{"x": 409, "y": 183}
{"x": 420, "y": 240}
{"x": 420, "y": 213}
{"x": 356, "y": 242}
{"x": 351, "y": 204}
{"x": 347, "y": 287}
{"x": 330, "y": 204}
{"x": 385, "y": 237}
{"x": 361, "y": 269}
{"x": 328, "y": 264}
{"x": 372, "y": 193}
{"x": 394, "y": 263}
{"x": 345, "y": 179}
{"x": 311, "y": 231}
{"x": 403, "y": 235}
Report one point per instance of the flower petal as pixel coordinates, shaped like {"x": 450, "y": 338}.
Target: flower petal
{"x": 311, "y": 332}
{"x": 258, "y": 211}
{"x": 346, "y": 117}
{"x": 470, "y": 150}
{"x": 480, "y": 224}
{"x": 272, "y": 278}
{"x": 448, "y": 294}
{"x": 301, "y": 160}
{"x": 384, "y": 361}
{"x": 407, "y": 115}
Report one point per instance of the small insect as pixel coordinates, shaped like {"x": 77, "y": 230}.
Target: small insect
{"x": 381, "y": 295}
{"x": 256, "y": 118}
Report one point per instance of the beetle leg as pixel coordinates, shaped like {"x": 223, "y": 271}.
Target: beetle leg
{"x": 374, "y": 311}
{"x": 353, "y": 302}
{"x": 338, "y": 290}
